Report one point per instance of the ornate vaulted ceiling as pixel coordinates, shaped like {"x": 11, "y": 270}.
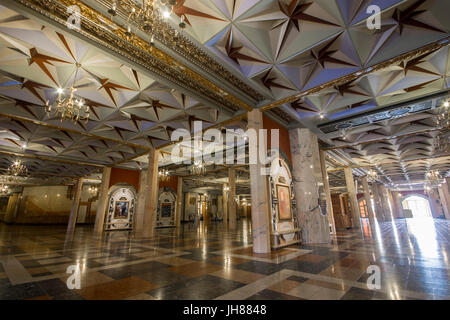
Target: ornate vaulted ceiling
{"x": 309, "y": 63}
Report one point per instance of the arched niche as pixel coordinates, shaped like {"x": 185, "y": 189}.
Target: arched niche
{"x": 167, "y": 201}
{"x": 284, "y": 226}
{"x": 121, "y": 207}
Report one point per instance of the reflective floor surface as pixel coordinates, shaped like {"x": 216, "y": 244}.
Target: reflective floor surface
{"x": 207, "y": 262}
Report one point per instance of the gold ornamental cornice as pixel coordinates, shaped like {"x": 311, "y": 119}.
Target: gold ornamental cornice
{"x": 97, "y": 28}
{"x": 357, "y": 74}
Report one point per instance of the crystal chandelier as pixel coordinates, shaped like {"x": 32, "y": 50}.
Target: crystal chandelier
{"x": 433, "y": 179}
{"x": 372, "y": 175}
{"x": 92, "y": 189}
{"x": 4, "y": 188}
{"x": 68, "y": 106}
{"x": 164, "y": 175}
{"x": 198, "y": 168}
{"x": 17, "y": 169}
{"x": 146, "y": 15}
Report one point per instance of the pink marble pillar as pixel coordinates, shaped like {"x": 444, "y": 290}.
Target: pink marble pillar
{"x": 179, "y": 202}
{"x": 75, "y": 205}
{"x": 259, "y": 194}
{"x": 369, "y": 203}
{"x": 307, "y": 175}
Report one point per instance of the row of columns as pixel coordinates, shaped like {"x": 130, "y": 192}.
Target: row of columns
{"x": 309, "y": 174}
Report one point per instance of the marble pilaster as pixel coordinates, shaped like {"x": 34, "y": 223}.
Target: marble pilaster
{"x": 225, "y": 204}
{"x": 140, "y": 203}
{"x": 179, "y": 202}
{"x": 259, "y": 194}
{"x": 232, "y": 198}
{"x": 151, "y": 194}
{"x": 326, "y": 186}
{"x": 354, "y": 207}
{"x": 102, "y": 201}
{"x": 11, "y": 209}
{"x": 368, "y": 198}
{"x": 75, "y": 205}
{"x": 445, "y": 201}
{"x": 307, "y": 177}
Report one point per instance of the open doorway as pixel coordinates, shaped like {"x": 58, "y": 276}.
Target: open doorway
{"x": 416, "y": 206}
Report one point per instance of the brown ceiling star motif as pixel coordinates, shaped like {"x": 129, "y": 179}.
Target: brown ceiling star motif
{"x": 408, "y": 17}
{"x": 301, "y": 106}
{"x": 419, "y": 86}
{"x": 41, "y": 60}
{"x": 109, "y": 86}
{"x": 234, "y": 52}
{"x": 157, "y": 104}
{"x": 269, "y": 82}
{"x": 347, "y": 88}
{"x": 295, "y": 13}
{"x": 325, "y": 55}
{"x": 412, "y": 65}
{"x": 32, "y": 86}
{"x": 181, "y": 10}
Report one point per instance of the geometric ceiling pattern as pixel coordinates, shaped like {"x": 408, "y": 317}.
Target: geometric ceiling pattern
{"x": 403, "y": 159}
{"x": 130, "y": 112}
{"x": 417, "y": 77}
{"x": 279, "y": 48}
{"x": 286, "y": 46}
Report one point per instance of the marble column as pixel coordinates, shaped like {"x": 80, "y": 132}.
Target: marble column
{"x": 307, "y": 177}
{"x": 102, "y": 201}
{"x": 396, "y": 205}
{"x": 231, "y": 198}
{"x": 151, "y": 194}
{"x": 445, "y": 200}
{"x": 259, "y": 193}
{"x": 75, "y": 205}
{"x": 179, "y": 202}
{"x": 225, "y": 204}
{"x": 384, "y": 212}
{"x": 354, "y": 207}
{"x": 326, "y": 186}
{"x": 387, "y": 206}
{"x": 140, "y": 206}
{"x": 11, "y": 208}
{"x": 434, "y": 203}
{"x": 377, "y": 201}
{"x": 365, "y": 185}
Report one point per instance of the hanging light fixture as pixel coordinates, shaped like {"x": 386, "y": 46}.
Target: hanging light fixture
{"x": 17, "y": 169}
{"x": 164, "y": 175}
{"x": 145, "y": 15}
{"x": 68, "y": 106}
{"x": 198, "y": 168}
{"x": 372, "y": 175}
{"x": 433, "y": 179}
{"x": 4, "y": 188}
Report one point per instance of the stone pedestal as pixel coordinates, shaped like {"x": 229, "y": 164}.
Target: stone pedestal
{"x": 232, "y": 198}
{"x": 354, "y": 207}
{"x": 259, "y": 194}
{"x": 151, "y": 194}
{"x": 102, "y": 201}
{"x": 179, "y": 202}
{"x": 307, "y": 175}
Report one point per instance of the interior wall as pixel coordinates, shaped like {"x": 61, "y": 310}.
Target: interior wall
{"x": 45, "y": 204}
{"x": 284, "y": 143}
{"x": 119, "y": 175}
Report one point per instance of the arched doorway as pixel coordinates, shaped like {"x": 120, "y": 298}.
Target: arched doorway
{"x": 363, "y": 208}
{"x": 416, "y": 206}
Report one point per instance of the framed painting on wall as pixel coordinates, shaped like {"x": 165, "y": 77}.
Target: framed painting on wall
{"x": 121, "y": 209}
{"x": 284, "y": 202}
{"x": 166, "y": 210}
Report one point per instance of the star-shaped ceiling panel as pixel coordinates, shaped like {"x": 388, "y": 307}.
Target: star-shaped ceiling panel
{"x": 305, "y": 43}
{"x": 130, "y": 111}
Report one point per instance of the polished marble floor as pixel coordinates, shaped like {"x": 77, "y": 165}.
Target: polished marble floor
{"x": 208, "y": 262}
